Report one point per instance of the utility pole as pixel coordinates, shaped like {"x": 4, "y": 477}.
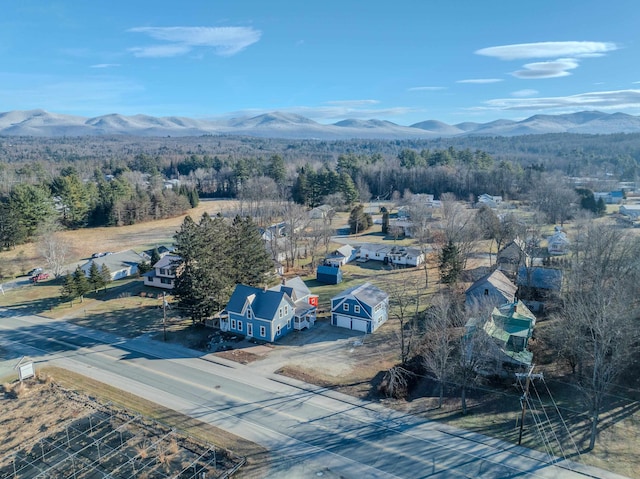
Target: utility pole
{"x": 523, "y": 400}
{"x": 164, "y": 315}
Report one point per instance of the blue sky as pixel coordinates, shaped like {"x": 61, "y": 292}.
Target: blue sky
{"x": 402, "y": 61}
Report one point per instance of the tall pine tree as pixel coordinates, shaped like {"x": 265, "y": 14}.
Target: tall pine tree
{"x": 251, "y": 261}
{"x": 450, "y": 263}
{"x": 80, "y": 283}
{"x": 96, "y": 281}
{"x": 204, "y": 280}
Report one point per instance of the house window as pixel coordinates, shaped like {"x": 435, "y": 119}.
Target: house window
{"x": 356, "y": 308}
{"x": 286, "y": 309}
{"x": 239, "y": 325}
{"x": 289, "y": 323}
{"x": 263, "y": 331}
{"x": 166, "y": 280}
{"x": 233, "y": 324}
{"x": 280, "y": 312}
{"x": 248, "y": 313}
{"x": 249, "y": 329}
{"x": 486, "y": 292}
{"x": 345, "y": 307}
{"x": 278, "y": 330}
{"x": 150, "y": 279}
{"x": 163, "y": 271}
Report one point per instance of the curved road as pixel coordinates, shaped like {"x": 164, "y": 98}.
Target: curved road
{"x": 310, "y": 430}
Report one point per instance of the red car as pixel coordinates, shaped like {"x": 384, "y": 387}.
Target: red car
{"x": 39, "y": 277}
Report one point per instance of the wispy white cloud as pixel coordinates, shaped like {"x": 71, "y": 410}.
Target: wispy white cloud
{"x": 547, "y": 50}
{"x": 551, "y": 69}
{"x": 604, "y": 100}
{"x": 225, "y": 41}
{"x": 565, "y": 55}
{"x": 160, "y": 51}
{"x": 481, "y": 81}
{"x": 105, "y": 65}
{"x": 524, "y": 93}
{"x": 427, "y": 88}
{"x": 353, "y": 103}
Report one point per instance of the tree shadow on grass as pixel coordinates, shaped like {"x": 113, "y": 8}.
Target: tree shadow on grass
{"x": 127, "y": 322}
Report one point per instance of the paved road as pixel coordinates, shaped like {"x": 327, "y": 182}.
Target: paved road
{"x": 312, "y": 431}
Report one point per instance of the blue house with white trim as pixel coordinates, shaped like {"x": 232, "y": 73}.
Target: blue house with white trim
{"x": 256, "y": 313}
{"x": 361, "y": 308}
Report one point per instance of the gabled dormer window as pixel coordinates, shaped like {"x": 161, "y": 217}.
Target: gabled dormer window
{"x": 249, "y": 313}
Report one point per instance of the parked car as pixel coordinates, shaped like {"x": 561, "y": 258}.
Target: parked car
{"x": 100, "y": 255}
{"x": 39, "y": 277}
{"x": 34, "y": 271}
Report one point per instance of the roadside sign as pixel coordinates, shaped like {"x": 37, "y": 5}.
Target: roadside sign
{"x": 26, "y": 371}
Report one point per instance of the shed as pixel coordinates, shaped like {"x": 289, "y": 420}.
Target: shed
{"x": 329, "y": 274}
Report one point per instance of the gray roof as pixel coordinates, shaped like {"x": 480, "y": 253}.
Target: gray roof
{"x": 167, "y": 261}
{"x": 295, "y": 287}
{"x": 365, "y": 293}
{"x": 540, "y": 278}
{"x": 498, "y": 280}
{"x": 116, "y": 261}
{"x": 513, "y": 251}
{"x": 162, "y": 250}
{"x": 264, "y": 304}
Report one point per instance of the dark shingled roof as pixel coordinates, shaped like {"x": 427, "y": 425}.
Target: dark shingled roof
{"x": 263, "y": 303}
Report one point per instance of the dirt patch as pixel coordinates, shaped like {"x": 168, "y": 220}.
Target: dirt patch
{"x": 239, "y": 356}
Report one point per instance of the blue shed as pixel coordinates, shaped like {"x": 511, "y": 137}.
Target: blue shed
{"x": 329, "y": 274}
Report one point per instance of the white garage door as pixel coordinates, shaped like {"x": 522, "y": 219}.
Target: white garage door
{"x": 359, "y": 325}
{"x": 343, "y": 321}
{"x": 347, "y": 322}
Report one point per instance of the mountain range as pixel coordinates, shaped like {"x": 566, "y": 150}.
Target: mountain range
{"x": 290, "y": 126}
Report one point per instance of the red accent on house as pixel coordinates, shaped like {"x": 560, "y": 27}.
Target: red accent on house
{"x": 313, "y": 301}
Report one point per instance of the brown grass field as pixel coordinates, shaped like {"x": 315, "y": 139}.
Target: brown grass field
{"x": 86, "y": 241}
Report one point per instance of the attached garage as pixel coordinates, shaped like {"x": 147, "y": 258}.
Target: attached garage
{"x": 360, "y": 325}
{"x": 351, "y": 323}
{"x": 342, "y": 321}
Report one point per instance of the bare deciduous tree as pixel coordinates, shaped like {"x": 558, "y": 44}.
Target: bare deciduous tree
{"x": 405, "y": 301}
{"x": 54, "y": 248}
{"x": 458, "y": 226}
{"x": 555, "y": 198}
{"x": 396, "y": 382}
{"x": 598, "y": 317}
{"x": 296, "y": 220}
{"x": 421, "y": 219}
{"x": 438, "y": 342}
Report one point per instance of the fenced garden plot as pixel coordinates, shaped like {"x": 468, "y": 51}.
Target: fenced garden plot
{"x": 109, "y": 443}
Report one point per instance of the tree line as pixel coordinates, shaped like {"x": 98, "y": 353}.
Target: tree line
{"x": 126, "y": 198}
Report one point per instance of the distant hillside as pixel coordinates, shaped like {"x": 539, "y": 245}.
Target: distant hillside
{"x": 290, "y": 126}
